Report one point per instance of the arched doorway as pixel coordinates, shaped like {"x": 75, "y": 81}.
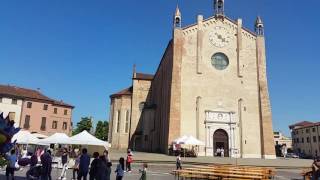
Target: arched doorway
{"x": 221, "y": 140}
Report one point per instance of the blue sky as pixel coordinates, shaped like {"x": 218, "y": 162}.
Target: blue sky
{"x": 82, "y": 51}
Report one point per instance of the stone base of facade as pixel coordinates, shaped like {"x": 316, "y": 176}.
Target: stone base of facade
{"x": 258, "y": 156}
{"x": 269, "y": 157}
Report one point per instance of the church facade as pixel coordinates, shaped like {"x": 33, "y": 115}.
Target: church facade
{"x": 211, "y": 83}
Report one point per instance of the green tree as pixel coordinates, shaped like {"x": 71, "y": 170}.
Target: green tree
{"x": 102, "y": 130}
{"x": 84, "y": 124}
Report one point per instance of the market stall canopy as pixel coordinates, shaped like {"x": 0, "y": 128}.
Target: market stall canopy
{"x": 56, "y": 138}
{"x": 25, "y": 137}
{"x": 39, "y": 136}
{"x": 188, "y": 140}
{"x": 85, "y": 138}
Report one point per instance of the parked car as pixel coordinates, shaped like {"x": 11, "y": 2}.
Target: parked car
{"x": 292, "y": 155}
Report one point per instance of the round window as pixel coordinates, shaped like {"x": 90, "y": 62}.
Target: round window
{"x": 220, "y": 61}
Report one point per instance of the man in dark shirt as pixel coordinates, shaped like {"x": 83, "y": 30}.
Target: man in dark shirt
{"x": 46, "y": 161}
{"x": 84, "y": 165}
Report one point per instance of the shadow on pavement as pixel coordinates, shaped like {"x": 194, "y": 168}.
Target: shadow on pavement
{"x": 3, "y": 177}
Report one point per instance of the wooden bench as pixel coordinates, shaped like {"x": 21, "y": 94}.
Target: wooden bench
{"x": 225, "y": 172}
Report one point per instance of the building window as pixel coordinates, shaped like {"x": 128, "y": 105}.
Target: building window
{"x": 65, "y": 112}
{"x": 308, "y": 140}
{"x": 26, "y": 122}
{"x": 29, "y": 104}
{"x": 314, "y": 139}
{"x": 308, "y": 131}
{"x": 127, "y": 122}
{"x": 54, "y": 124}
{"x": 64, "y": 126}
{"x": 118, "y": 122}
{"x": 45, "y": 107}
{"x": 43, "y": 123}
{"x": 313, "y": 129}
{"x": 319, "y": 138}
{"x": 302, "y": 140}
{"x": 55, "y": 110}
{"x": 297, "y": 140}
{"x": 0, "y": 99}
{"x": 14, "y": 101}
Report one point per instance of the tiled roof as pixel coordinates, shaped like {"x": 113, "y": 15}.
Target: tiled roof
{"x": 302, "y": 124}
{"x": 127, "y": 91}
{"x": 143, "y": 76}
{"x": 28, "y": 94}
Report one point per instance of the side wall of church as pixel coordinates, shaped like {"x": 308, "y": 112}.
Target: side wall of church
{"x": 120, "y": 118}
{"x": 161, "y": 87}
{"x": 220, "y": 90}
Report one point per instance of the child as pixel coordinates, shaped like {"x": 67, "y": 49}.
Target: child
{"x": 120, "y": 169}
{"x": 129, "y": 161}
{"x": 144, "y": 172}
{"x": 178, "y": 162}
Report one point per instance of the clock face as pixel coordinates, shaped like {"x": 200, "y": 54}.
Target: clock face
{"x": 220, "y": 37}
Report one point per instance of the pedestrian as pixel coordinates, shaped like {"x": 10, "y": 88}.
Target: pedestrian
{"x": 84, "y": 165}
{"x": 46, "y": 161}
{"x": 106, "y": 155}
{"x": 178, "y": 162}
{"x": 33, "y": 163}
{"x": 76, "y": 165}
{"x": 12, "y": 159}
{"x": 129, "y": 160}
{"x": 64, "y": 162}
{"x": 120, "y": 169}
{"x": 94, "y": 167}
{"x": 102, "y": 169}
{"x": 222, "y": 152}
{"x": 106, "y": 166}
{"x": 144, "y": 172}
{"x": 284, "y": 150}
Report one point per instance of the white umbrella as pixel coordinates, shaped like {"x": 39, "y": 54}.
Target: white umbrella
{"x": 85, "y": 138}
{"x": 25, "y": 137}
{"x": 188, "y": 140}
{"x": 56, "y": 138}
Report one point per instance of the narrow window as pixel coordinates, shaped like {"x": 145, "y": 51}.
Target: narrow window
{"x": 0, "y": 99}
{"x": 65, "y": 112}
{"x": 26, "y": 122}
{"x": 118, "y": 122}
{"x": 29, "y": 104}
{"x": 14, "y": 101}
{"x": 313, "y": 129}
{"x": 43, "y": 123}
{"x": 314, "y": 139}
{"x": 127, "y": 122}
{"x": 55, "y": 110}
{"x": 64, "y": 126}
{"x": 45, "y": 107}
{"x": 308, "y": 140}
{"x": 54, "y": 124}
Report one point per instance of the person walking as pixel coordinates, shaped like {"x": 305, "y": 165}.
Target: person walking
{"x": 106, "y": 155}
{"x": 12, "y": 159}
{"x": 222, "y": 152}
{"x": 33, "y": 163}
{"x": 120, "y": 169}
{"x": 64, "y": 162}
{"x": 94, "y": 167}
{"x": 144, "y": 172}
{"x": 84, "y": 165}
{"x": 129, "y": 160}
{"x": 178, "y": 162}
{"x": 76, "y": 166}
{"x": 108, "y": 170}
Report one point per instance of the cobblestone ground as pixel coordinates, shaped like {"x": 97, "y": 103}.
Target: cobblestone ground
{"x": 155, "y": 172}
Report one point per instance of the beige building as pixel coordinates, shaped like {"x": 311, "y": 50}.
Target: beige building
{"x": 306, "y": 138}
{"x": 280, "y": 139}
{"x": 211, "y": 83}
{"x": 36, "y": 112}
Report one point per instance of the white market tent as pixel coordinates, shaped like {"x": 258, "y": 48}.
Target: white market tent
{"x": 25, "y": 137}
{"x": 56, "y": 138}
{"x": 39, "y": 136}
{"x": 188, "y": 140}
{"x": 85, "y": 138}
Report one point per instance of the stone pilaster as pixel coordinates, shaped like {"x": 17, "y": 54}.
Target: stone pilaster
{"x": 239, "y": 46}
{"x": 199, "y": 43}
{"x": 175, "y": 91}
{"x": 267, "y": 142}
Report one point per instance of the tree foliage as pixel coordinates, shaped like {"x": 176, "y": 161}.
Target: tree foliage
{"x": 84, "y": 124}
{"x": 102, "y": 130}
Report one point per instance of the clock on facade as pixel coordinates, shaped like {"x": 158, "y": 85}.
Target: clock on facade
{"x": 220, "y": 37}
{"x": 220, "y": 61}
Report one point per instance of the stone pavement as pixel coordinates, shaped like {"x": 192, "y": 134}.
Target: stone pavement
{"x": 161, "y": 158}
